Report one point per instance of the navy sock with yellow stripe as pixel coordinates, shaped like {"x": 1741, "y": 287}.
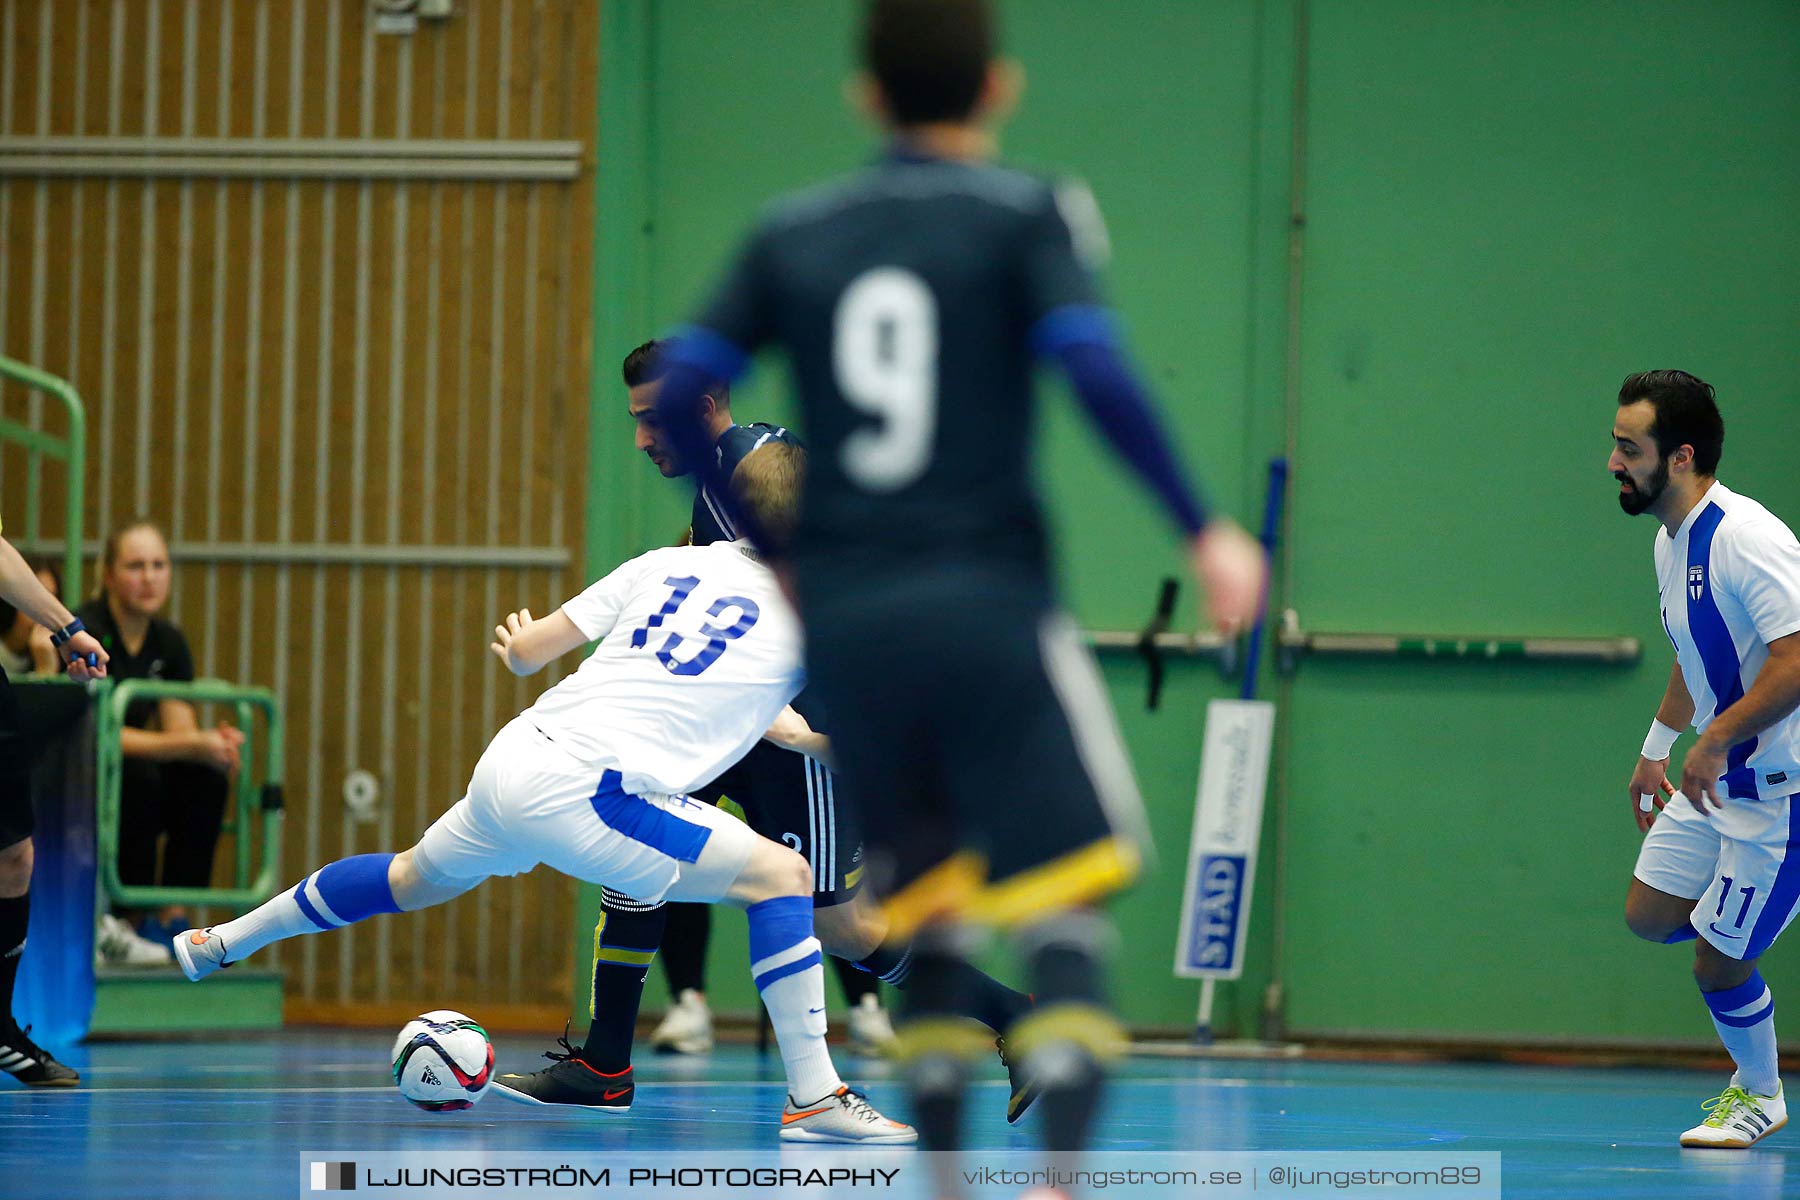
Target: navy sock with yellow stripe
{"x": 937, "y": 1067}
{"x": 625, "y": 940}
{"x": 1067, "y": 1041}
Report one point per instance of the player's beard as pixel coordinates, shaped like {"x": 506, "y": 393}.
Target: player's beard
{"x": 1639, "y": 499}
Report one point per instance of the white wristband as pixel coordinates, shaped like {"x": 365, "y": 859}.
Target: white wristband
{"x": 1659, "y": 741}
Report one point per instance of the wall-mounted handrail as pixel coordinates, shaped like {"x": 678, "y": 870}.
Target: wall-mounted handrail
{"x": 1197, "y": 645}
{"x": 258, "y": 789}
{"x": 1295, "y": 642}
{"x": 70, "y": 450}
{"x": 1152, "y": 644}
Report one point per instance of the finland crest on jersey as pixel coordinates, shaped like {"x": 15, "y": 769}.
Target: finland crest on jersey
{"x": 1696, "y": 581}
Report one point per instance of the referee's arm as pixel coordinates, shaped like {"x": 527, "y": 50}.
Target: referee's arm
{"x": 20, "y": 586}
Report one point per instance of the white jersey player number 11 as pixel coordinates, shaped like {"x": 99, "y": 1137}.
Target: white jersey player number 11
{"x": 885, "y": 357}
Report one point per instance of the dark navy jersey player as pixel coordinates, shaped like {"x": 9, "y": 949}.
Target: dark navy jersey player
{"x": 730, "y": 442}
{"x": 712, "y": 523}
{"x": 913, "y": 301}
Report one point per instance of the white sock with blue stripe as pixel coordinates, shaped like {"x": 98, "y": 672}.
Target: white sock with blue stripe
{"x": 789, "y": 972}
{"x": 1745, "y": 1018}
{"x": 335, "y": 895}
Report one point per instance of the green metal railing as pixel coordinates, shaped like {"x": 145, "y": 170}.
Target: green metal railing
{"x": 70, "y": 450}
{"x": 258, "y": 790}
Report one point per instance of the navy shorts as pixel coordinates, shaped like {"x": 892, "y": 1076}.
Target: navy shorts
{"x": 792, "y": 799}
{"x": 973, "y": 733}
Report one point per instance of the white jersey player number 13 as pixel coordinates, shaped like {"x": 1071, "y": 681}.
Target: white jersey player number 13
{"x": 707, "y": 618}
{"x": 885, "y": 358}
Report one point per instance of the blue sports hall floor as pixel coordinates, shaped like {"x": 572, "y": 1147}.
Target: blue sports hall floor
{"x": 229, "y": 1117}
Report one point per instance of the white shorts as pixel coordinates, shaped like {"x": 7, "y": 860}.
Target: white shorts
{"x": 1741, "y": 864}
{"x": 531, "y": 802}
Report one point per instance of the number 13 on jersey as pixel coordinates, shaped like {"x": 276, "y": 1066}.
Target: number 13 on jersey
{"x": 717, "y": 638}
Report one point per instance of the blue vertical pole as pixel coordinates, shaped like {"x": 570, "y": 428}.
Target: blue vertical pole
{"x": 1271, "y": 524}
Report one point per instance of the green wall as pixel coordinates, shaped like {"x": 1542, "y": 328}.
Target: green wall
{"x": 1506, "y": 209}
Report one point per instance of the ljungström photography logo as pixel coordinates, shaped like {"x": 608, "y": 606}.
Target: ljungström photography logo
{"x": 334, "y": 1177}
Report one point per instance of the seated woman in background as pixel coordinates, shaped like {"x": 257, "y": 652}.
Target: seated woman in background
{"x": 177, "y": 775}
{"x": 25, "y": 647}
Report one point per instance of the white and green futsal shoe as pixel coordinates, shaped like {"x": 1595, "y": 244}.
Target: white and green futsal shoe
{"x": 1738, "y": 1119}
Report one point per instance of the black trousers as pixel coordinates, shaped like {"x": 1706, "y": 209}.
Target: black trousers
{"x": 183, "y": 800}
{"x": 31, "y": 718}
{"x": 16, "y": 818}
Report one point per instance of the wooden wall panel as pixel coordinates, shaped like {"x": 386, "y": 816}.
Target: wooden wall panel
{"x": 350, "y": 362}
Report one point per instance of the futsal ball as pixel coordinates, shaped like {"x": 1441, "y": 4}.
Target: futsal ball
{"x": 443, "y": 1061}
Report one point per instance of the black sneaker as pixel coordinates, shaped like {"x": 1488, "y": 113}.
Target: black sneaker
{"x": 1024, "y": 1087}
{"x": 570, "y": 1082}
{"x": 30, "y": 1063}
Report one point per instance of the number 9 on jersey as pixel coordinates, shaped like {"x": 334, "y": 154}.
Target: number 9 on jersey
{"x": 884, "y": 356}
